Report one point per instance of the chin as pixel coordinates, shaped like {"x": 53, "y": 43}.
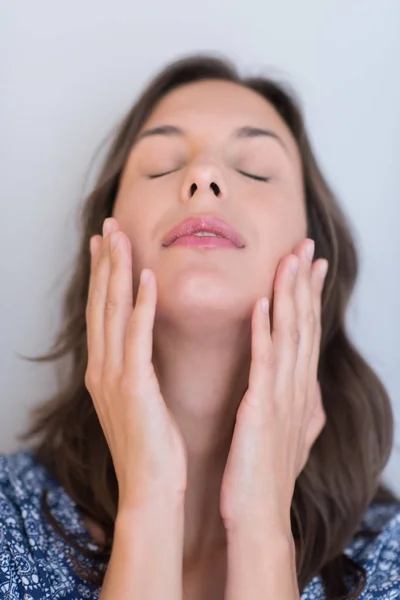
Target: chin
{"x": 197, "y": 304}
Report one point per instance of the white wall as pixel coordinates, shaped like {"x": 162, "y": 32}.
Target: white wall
{"x": 69, "y": 71}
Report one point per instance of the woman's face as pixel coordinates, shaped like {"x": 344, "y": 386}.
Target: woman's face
{"x": 270, "y": 216}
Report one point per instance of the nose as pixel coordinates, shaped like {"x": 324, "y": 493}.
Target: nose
{"x": 203, "y": 178}
{"x": 214, "y": 186}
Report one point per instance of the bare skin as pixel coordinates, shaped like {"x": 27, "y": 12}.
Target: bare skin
{"x": 202, "y": 331}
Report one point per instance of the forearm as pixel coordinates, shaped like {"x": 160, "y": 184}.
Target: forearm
{"x": 261, "y": 569}
{"x": 146, "y": 557}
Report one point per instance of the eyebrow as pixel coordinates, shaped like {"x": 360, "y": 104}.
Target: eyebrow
{"x": 245, "y": 132}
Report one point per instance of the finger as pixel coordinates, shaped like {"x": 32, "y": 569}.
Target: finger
{"x": 95, "y": 308}
{"x": 139, "y": 334}
{"x": 285, "y": 334}
{"x": 119, "y": 303}
{"x": 306, "y": 322}
{"x": 318, "y": 277}
{"x": 96, "y": 303}
{"x": 262, "y": 366}
{"x": 91, "y": 331}
{"x": 96, "y": 242}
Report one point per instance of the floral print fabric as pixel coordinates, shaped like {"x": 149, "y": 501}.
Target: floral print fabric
{"x": 34, "y": 564}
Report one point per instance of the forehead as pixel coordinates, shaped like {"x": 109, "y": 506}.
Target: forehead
{"x": 217, "y": 107}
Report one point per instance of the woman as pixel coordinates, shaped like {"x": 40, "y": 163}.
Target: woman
{"x": 217, "y": 435}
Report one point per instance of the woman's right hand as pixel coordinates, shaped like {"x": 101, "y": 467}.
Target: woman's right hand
{"x": 146, "y": 446}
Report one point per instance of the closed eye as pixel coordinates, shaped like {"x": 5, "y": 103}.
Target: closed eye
{"x": 160, "y": 174}
{"x": 257, "y": 177}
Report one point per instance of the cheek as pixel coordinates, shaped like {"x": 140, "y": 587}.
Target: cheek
{"x": 279, "y": 229}
{"x": 138, "y": 230}
{"x": 285, "y": 216}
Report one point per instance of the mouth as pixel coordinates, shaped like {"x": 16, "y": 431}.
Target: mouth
{"x": 207, "y": 231}
{"x": 203, "y": 241}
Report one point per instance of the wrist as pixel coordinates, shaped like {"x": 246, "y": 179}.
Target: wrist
{"x": 256, "y": 541}
{"x": 259, "y": 531}
{"x": 147, "y": 540}
{"x": 156, "y": 502}
{"x": 261, "y": 563}
{"x": 155, "y": 517}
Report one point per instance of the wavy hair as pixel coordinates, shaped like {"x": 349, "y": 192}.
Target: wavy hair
{"x": 342, "y": 476}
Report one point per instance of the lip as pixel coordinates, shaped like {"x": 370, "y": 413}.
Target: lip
{"x": 212, "y": 224}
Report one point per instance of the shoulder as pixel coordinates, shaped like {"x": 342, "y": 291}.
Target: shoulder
{"x": 380, "y": 555}
{"x": 34, "y": 563}
{"x": 22, "y": 481}
{"x": 20, "y": 475}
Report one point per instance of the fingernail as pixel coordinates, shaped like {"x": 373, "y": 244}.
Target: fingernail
{"x": 323, "y": 268}
{"x": 145, "y": 276}
{"x": 310, "y": 249}
{"x": 92, "y": 245}
{"x": 107, "y": 228}
{"x": 265, "y": 306}
{"x": 294, "y": 265}
{"x": 114, "y": 239}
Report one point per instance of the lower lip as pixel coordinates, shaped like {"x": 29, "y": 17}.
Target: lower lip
{"x": 204, "y": 241}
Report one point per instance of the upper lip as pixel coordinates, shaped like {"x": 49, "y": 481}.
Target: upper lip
{"x": 212, "y": 224}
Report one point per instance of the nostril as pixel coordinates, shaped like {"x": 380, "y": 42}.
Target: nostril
{"x": 215, "y": 189}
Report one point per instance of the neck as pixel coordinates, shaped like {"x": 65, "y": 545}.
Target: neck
{"x": 203, "y": 376}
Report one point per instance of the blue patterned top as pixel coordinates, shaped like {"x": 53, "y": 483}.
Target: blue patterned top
{"x": 35, "y": 566}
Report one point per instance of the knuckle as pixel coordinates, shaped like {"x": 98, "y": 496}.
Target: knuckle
{"x": 270, "y": 360}
{"x": 322, "y": 420}
{"x": 133, "y": 327}
{"x": 110, "y": 308}
{"x": 92, "y": 300}
{"x": 266, "y": 358}
{"x": 310, "y": 319}
{"x": 295, "y": 336}
{"x": 90, "y": 379}
{"x": 247, "y": 413}
{"x": 125, "y": 385}
{"x": 274, "y": 331}
{"x": 108, "y": 378}
{"x": 301, "y": 389}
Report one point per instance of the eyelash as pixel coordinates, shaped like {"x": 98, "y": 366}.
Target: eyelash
{"x": 256, "y": 177}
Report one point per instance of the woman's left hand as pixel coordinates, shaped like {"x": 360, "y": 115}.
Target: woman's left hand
{"x": 281, "y": 414}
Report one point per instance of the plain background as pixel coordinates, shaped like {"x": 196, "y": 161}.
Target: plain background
{"x": 70, "y": 71}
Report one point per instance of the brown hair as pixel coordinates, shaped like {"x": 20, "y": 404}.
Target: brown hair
{"x": 342, "y": 475}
